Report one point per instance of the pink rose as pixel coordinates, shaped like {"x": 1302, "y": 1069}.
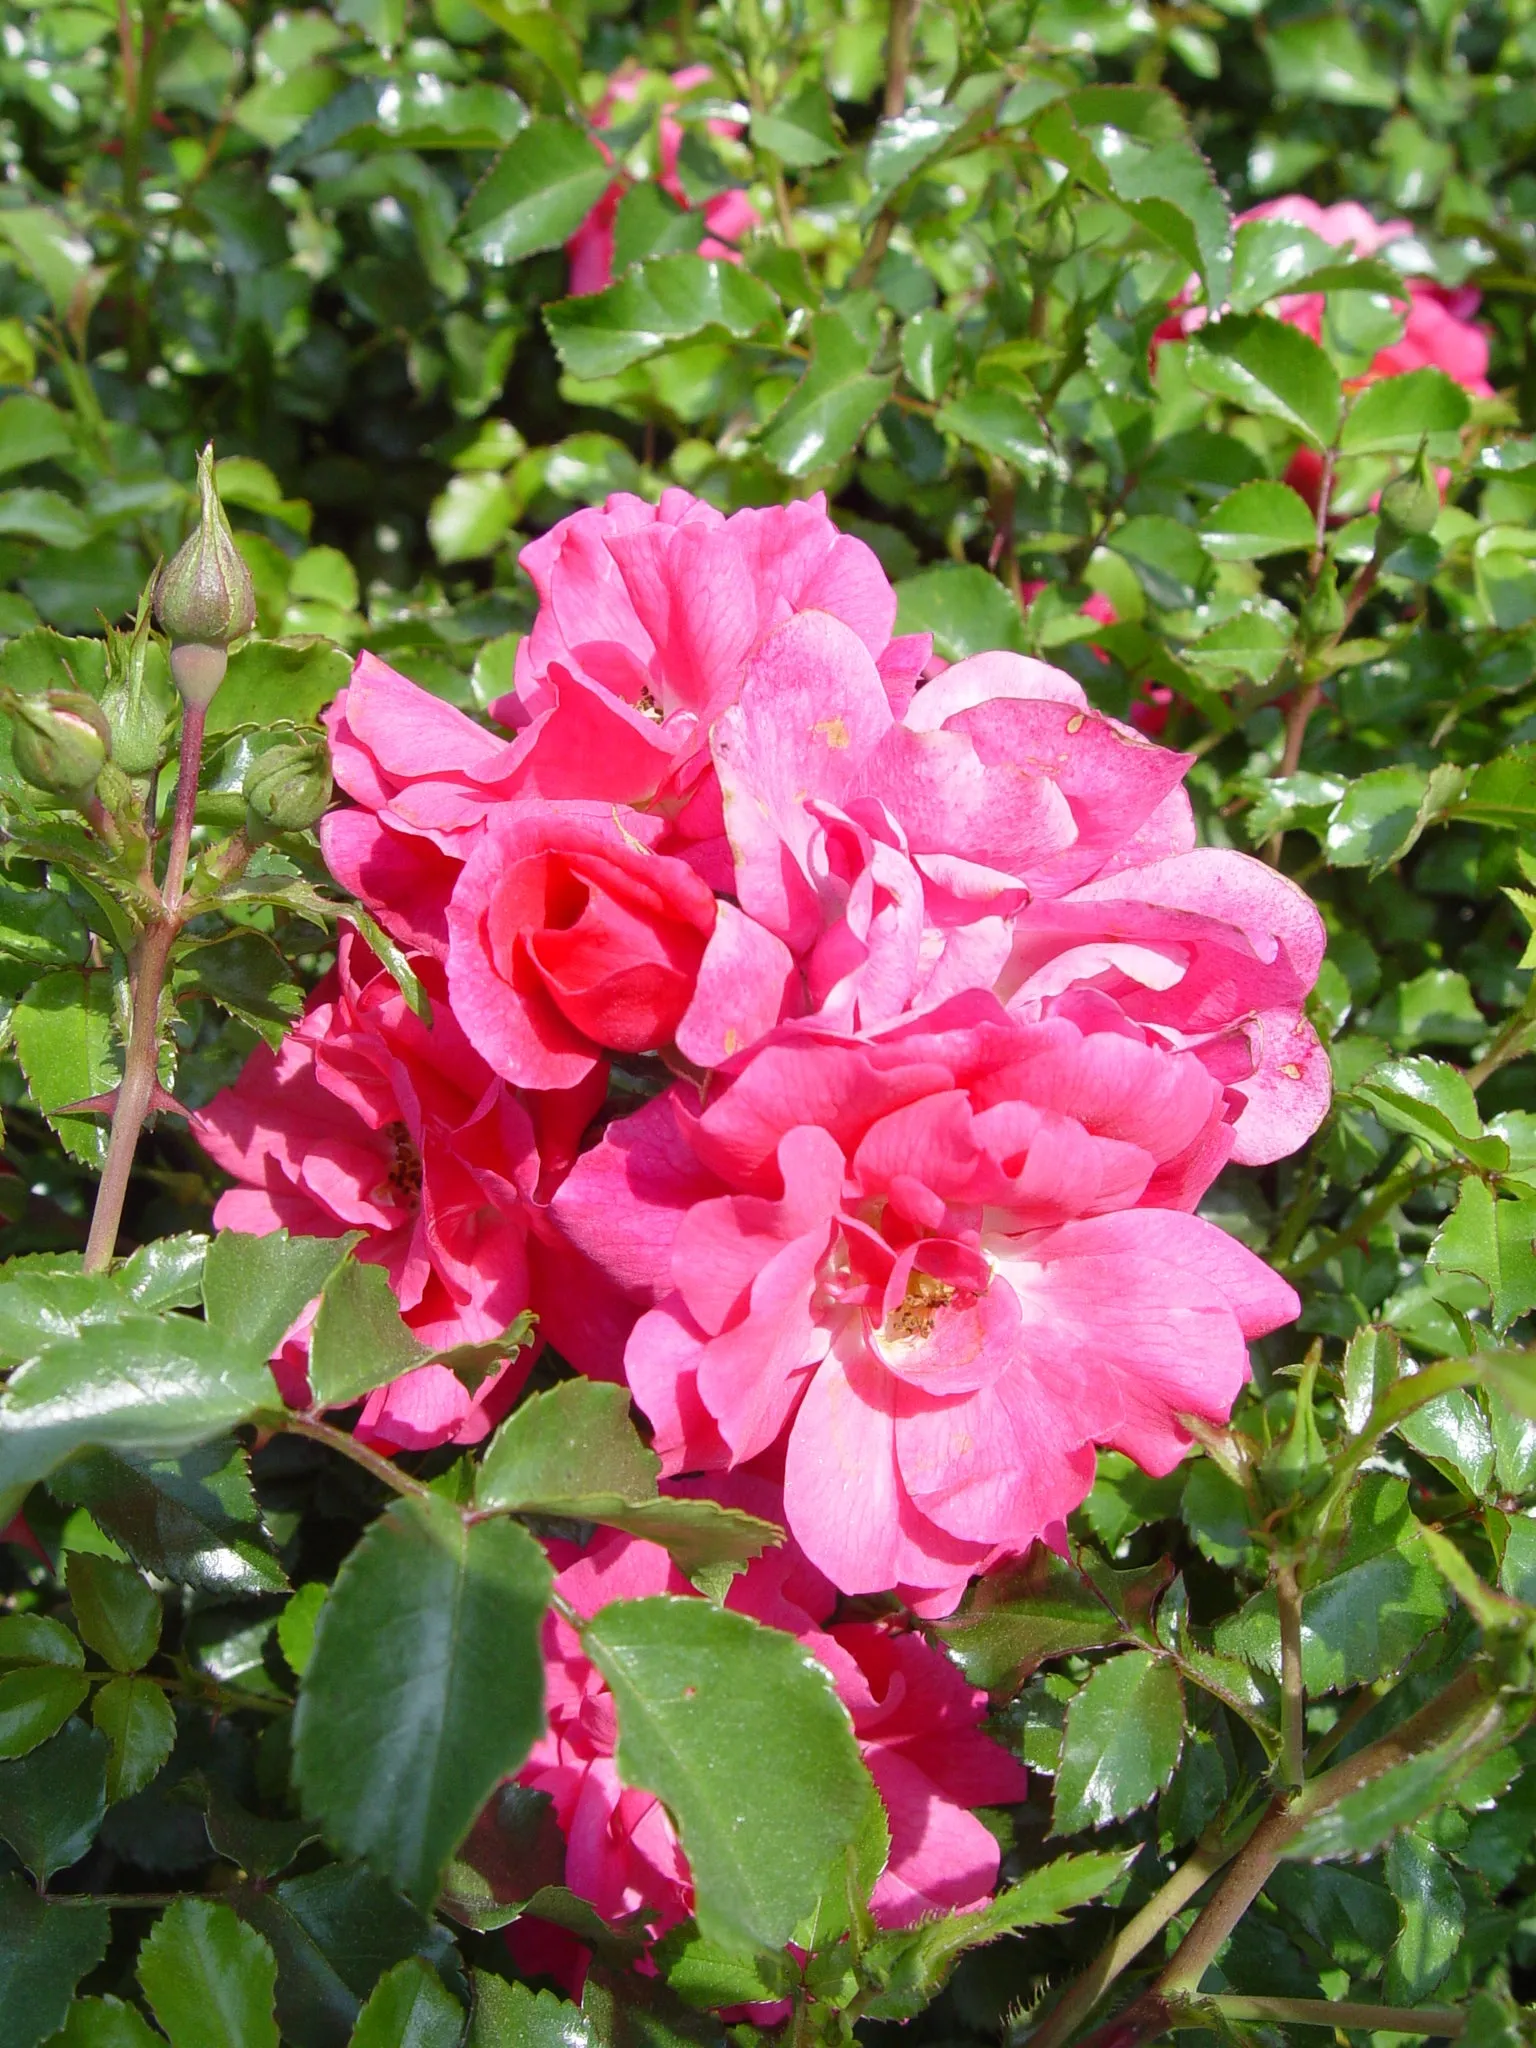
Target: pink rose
{"x": 941, "y": 1261}
{"x": 993, "y": 836}
{"x": 568, "y": 935}
{"x": 367, "y": 1120}
{"x": 916, "y": 1721}
{"x": 728, "y": 216}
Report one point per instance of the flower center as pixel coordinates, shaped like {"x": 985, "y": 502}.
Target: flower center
{"x": 402, "y": 1183}
{"x": 912, "y": 1318}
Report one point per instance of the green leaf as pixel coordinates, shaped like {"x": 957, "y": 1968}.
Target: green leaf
{"x": 38, "y": 1639}
{"x": 928, "y": 350}
{"x": 538, "y": 192}
{"x": 545, "y": 35}
{"x": 1324, "y": 57}
{"x": 741, "y": 1735}
{"x": 136, "y": 1718}
{"x": 270, "y": 680}
{"x": 1502, "y": 791}
{"x": 31, "y": 430}
{"x": 358, "y": 1340}
{"x": 424, "y": 1688}
{"x": 409, "y": 2008}
{"x": 115, "y": 1612}
{"x": 1433, "y": 1918}
{"x": 64, "y": 1037}
{"x": 508, "y": 2015}
{"x": 256, "y": 1288}
{"x": 1170, "y": 563}
{"x": 1373, "y": 1360}
{"x": 575, "y": 1439}
{"x": 105, "y": 2023}
{"x": 296, "y": 1626}
{"x": 966, "y": 610}
{"x": 1016, "y": 1617}
{"x": 904, "y": 143}
{"x": 165, "y": 1273}
{"x": 209, "y": 1978}
{"x": 146, "y": 1384}
{"x": 471, "y": 516}
{"x": 1395, "y": 415}
{"x": 669, "y": 299}
{"x": 334, "y": 1931}
{"x": 999, "y": 423}
{"x": 1123, "y": 1736}
{"x": 39, "y": 1308}
{"x": 1217, "y": 1515}
{"x": 35, "y": 1703}
{"x": 1452, "y": 1432}
{"x": 1361, "y": 1821}
{"x": 193, "y": 1518}
{"x": 1377, "y": 818}
{"x": 1363, "y": 1621}
{"x": 1493, "y": 1238}
{"x": 52, "y": 1800}
{"x": 44, "y": 1952}
{"x": 1249, "y": 646}
{"x": 1433, "y": 1102}
{"x": 1271, "y": 258}
{"x": 1255, "y": 520}
{"x": 1265, "y": 366}
{"x": 822, "y": 419}
{"x": 799, "y": 131}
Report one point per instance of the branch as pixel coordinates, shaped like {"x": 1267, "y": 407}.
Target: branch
{"x": 1293, "y": 1697}
{"x": 151, "y": 958}
{"x": 898, "y": 61}
{"x": 347, "y": 1447}
{"x": 1328, "y": 2012}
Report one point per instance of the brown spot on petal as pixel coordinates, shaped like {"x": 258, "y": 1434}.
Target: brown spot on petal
{"x": 1292, "y": 1073}
{"x": 1077, "y": 721}
{"x": 835, "y": 731}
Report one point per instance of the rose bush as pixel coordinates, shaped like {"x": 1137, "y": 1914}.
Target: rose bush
{"x": 766, "y": 973}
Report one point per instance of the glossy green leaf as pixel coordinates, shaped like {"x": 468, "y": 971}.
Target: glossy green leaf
{"x": 358, "y": 1340}
{"x": 38, "y": 1639}
{"x": 1014, "y": 1618}
{"x": 145, "y": 1384}
{"x": 536, "y": 195}
{"x": 1000, "y": 423}
{"x": 508, "y": 2015}
{"x": 1395, "y": 414}
{"x": 741, "y": 1735}
{"x": 821, "y": 420}
{"x": 31, "y": 430}
{"x": 52, "y": 1799}
{"x": 409, "y": 2008}
{"x": 35, "y": 1703}
{"x": 1377, "y": 819}
{"x": 424, "y": 1688}
{"x": 1373, "y": 1359}
{"x": 44, "y": 1952}
{"x": 1264, "y": 366}
{"x": 268, "y": 681}
{"x": 209, "y": 1978}
{"x": 1170, "y": 563}
{"x": 106, "y": 2023}
{"x": 577, "y": 1438}
{"x": 667, "y": 300}
{"x": 256, "y": 1288}
{"x": 63, "y": 1032}
{"x": 800, "y": 131}
{"x": 1124, "y": 1732}
{"x": 928, "y": 352}
{"x": 1255, "y": 520}
{"x": 136, "y": 1718}
{"x": 905, "y": 142}
{"x": 1492, "y": 1238}
{"x": 966, "y": 610}
{"x": 1433, "y": 1102}
{"x": 117, "y": 1614}
{"x": 191, "y": 1518}
{"x": 1324, "y": 57}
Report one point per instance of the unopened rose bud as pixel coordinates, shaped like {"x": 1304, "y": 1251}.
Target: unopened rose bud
{"x": 1322, "y": 615}
{"x": 288, "y": 788}
{"x": 1410, "y": 504}
{"x": 60, "y": 741}
{"x": 204, "y": 598}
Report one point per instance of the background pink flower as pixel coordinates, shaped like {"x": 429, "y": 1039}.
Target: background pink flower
{"x": 916, "y": 1721}
{"x": 941, "y": 1262}
{"x": 728, "y": 216}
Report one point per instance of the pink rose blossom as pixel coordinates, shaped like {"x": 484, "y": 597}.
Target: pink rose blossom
{"x": 997, "y": 835}
{"x": 728, "y": 216}
{"x": 942, "y": 1261}
{"x": 367, "y": 1120}
{"x": 567, "y": 934}
{"x": 916, "y": 1721}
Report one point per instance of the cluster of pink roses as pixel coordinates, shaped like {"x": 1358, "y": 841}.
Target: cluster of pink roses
{"x": 921, "y": 1026}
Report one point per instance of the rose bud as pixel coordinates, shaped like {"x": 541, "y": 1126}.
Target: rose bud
{"x": 288, "y": 788}
{"x": 204, "y": 598}
{"x": 1410, "y": 504}
{"x": 60, "y": 741}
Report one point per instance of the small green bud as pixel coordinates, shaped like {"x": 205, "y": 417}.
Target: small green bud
{"x": 60, "y": 741}
{"x": 1297, "y": 1466}
{"x": 204, "y": 598}
{"x": 1322, "y": 616}
{"x": 288, "y": 788}
{"x": 1410, "y": 504}
{"x": 136, "y": 720}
